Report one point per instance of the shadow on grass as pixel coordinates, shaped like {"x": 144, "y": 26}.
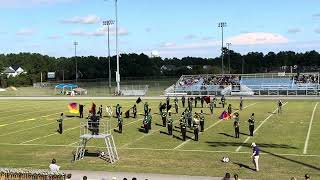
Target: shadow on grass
{"x": 292, "y": 160}
{"x": 159, "y": 125}
{"x": 177, "y": 137}
{"x": 225, "y": 134}
{"x": 162, "y": 132}
{"x": 243, "y": 165}
{"x": 176, "y": 131}
{"x": 236, "y": 144}
{"x": 244, "y": 134}
{"x": 117, "y": 131}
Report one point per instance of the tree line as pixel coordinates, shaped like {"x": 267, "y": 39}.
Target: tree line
{"x": 141, "y": 65}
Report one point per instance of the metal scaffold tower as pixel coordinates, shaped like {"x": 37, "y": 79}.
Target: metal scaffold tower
{"x": 96, "y": 128}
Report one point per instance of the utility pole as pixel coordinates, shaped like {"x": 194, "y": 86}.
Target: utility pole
{"x": 242, "y": 65}
{"x": 222, "y": 25}
{"x": 75, "y": 56}
{"x": 108, "y": 24}
{"x": 228, "y": 45}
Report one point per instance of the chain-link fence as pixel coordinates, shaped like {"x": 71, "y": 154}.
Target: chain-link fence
{"x": 93, "y": 87}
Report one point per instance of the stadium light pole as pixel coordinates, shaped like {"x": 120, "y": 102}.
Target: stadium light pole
{"x": 228, "y": 45}
{"x": 222, "y": 25}
{"x": 118, "y": 71}
{"x": 75, "y": 56}
{"x": 108, "y": 24}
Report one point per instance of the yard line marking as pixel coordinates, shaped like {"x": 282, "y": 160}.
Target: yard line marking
{"x": 113, "y": 128}
{"x": 310, "y": 126}
{"x": 155, "y": 149}
{"x": 238, "y": 149}
{"x": 21, "y": 121}
{"x": 14, "y": 132}
{"x": 49, "y": 135}
{"x": 182, "y": 144}
{"x": 144, "y": 135}
{"x": 36, "y": 106}
{"x": 7, "y": 118}
{"x": 32, "y": 119}
{"x": 55, "y": 133}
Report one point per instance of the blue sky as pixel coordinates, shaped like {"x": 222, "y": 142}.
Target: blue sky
{"x": 174, "y": 28}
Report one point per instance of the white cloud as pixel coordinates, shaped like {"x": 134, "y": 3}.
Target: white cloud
{"x": 317, "y": 15}
{"x": 193, "y": 45}
{"x": 101, "y": 32}
{"x": 190, "y": 37}
{"x": 54, "y": 37}
{"x": 242, "y": 39}
{"x": 25, "y": 32}
{"x": 207, "y": 38}
{"x": 257, "y": 38}
{"x": 90, "y": 19}
{"x": 104, "y": 30}
{"x": 29, "y": 3}
{"x": 78, "y": 33}
{"x": 168, "y": 45}
{"x": 294, "y": 30}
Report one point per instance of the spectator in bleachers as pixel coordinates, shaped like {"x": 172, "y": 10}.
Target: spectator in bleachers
{"x": 305, "y": 79}
{"x": 84, "y": 178}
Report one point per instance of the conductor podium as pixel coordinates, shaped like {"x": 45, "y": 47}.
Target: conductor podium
{"x": 97, "y": 129}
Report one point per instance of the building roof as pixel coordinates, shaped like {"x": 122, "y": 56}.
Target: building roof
{"x": 9, "y": 70}
{"x": 15, "y": 67}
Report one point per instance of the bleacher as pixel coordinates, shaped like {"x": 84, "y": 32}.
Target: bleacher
{"x": 248, "y": 84}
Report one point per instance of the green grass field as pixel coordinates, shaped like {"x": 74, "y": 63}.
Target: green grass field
{"x": 28, "y": 138}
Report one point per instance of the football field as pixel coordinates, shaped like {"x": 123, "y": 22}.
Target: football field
{"x": 289, "y": 141}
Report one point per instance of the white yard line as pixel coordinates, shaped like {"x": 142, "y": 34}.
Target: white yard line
{"x": 144, "y": 135}
{"x": 8, "y": 117}
{"x": 155, "y": 149}
{"x": 265, "y": 120}
{"x": 309, "y": 131}
{"x": 112, "y": 128}
{"x": 48, "y": 135}
{"x": 182, "y": 144}
{"x": 18, "y": 107}
{"x": 14, "y": 132}
{"x": 27, "y": 120}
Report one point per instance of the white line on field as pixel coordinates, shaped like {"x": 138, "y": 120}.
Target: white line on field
{"x": 265, "y": 120}
{"x": 18, "y": 107}
{"x": 22, "y": 130}
{"x": 154, "y": 149}
{"x": 49, "y": 135}
{"x": 112, "y": 128}
{"x": 182, "y": 144}
{"x": 310, "y": 126}
{"x": 28, "y": 113}
{"x": 22, "y": 121}
{"x": 144, "y": 135}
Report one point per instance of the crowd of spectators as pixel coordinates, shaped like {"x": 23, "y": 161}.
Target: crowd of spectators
{"x": 305, "y": 79}
{"x": 189, "y": 81}
{"x": 221, "y": 80}
{"x": 225, "y": 80}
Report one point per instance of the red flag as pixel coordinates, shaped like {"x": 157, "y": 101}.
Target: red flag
{"x": 224, "y": 115}
{"x": 206, "y": 99}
